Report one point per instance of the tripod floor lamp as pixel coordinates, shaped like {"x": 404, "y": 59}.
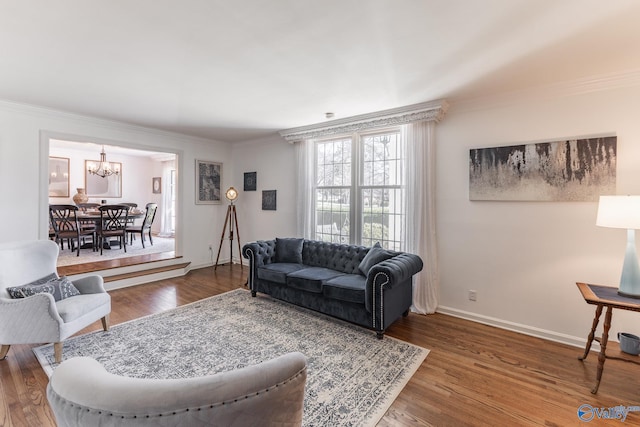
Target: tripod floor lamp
{"x": 232, "y": 220}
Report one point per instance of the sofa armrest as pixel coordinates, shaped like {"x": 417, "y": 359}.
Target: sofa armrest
{"x": 398, "y": 269}
{"x": 384, "y": 279}
{"x": 93, "y": 284}
{"x": 258, "y": 253}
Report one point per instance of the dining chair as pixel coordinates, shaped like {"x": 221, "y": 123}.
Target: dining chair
{"x": 132, "y": 207}
{"x": 145, "y": 226}
{"x": 65, "y": 224}
{"x": 113, "y": 223}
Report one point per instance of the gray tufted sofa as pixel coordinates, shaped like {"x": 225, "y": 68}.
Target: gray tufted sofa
{"x": 371, "y": 287}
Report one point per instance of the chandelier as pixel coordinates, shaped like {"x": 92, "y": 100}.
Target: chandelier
{"x": 104, "y": 168}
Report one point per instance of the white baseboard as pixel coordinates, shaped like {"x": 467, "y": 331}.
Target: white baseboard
{"x": 518, "y": 327}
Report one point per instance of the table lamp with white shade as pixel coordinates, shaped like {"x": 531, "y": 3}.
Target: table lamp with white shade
{"x": 624, "y": 212}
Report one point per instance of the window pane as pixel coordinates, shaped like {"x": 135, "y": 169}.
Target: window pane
{"x": 383, "y": 159}
{"x": 381, "y": 190}
{"x": 332, "y": 215}
{"x": 383, "y": 217}
{"x": 333, "y": 163}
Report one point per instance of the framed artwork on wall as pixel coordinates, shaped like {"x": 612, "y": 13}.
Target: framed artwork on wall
{"x": 156, "y": 185}
{"x": 250, "y": 181}
{"x": 269, "y": 200}
{"x": 97, "y": 186}
{"x": 579, "y": 169}
{"x": 208, "y": 182}
{"x": 58, "y": 177}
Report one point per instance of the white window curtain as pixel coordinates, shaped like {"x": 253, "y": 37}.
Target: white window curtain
{"x": 165, "y": 219}
{"x": 420, "y": 208}
{"x": 304, "y": 191}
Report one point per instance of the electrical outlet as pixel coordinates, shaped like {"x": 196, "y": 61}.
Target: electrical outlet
{"x": 473, "y": 295}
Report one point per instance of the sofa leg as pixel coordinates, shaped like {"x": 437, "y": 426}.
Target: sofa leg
{"x": 380, "y": 334}
{"x": 253, "y": 293}
{"x": 406, "y": 313}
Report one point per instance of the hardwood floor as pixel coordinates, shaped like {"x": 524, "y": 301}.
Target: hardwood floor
{"x": 475, "y": 375}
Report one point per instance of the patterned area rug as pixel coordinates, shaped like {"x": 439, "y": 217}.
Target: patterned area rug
{"x": 160, "y": 244}
{"x": 352, "y": 377}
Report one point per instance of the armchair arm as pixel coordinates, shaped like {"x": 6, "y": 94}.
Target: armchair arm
{"x": 90, "y": 285}
{"x": 387, "y": 278}
{"x": 258, "y": 253}
{"x": 29, "y": 320}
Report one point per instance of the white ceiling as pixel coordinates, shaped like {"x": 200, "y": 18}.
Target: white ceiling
{"x": 235, "y": 70}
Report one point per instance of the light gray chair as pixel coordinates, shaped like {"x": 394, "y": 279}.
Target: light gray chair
{"x": 82, "y": 393}
{"x": 39, "y": 318}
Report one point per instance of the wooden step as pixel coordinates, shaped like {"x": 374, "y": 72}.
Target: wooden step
{"x": 101, "y": 266}
{"x": 145, "y": 272}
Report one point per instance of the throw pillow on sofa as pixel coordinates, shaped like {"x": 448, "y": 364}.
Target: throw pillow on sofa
{"x": 59, "y": 287}
{"x": 289, "y": 250}
{"x": 375, "y": 255}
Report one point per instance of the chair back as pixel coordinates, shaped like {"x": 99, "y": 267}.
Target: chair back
{"x": 150, "y": 215}
{"x": 114, "y": 217}
{"x": 63, "y": 218}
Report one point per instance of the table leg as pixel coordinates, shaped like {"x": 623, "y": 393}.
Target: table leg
{"x": 602, "y": 356}
{"x": 592, "y": 334}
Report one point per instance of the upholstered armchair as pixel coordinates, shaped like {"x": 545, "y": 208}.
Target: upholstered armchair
{"x": 33, "y": 318}
{"x": 82, "y": 393}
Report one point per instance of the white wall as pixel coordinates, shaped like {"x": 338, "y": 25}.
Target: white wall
{"x": 523, "y": 258}
{"x": 23, "y": 173}
{"x": 274, "y": 161}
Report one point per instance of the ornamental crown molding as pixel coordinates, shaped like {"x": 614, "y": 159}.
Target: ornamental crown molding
{"x": 427, "y": 111}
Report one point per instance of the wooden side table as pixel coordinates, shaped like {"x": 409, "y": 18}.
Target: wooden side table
{"x": 605, "y": 296}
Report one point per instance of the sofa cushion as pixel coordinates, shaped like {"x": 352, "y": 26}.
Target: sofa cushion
{"x": 349, "y": 287}
{"x": 60, "y": 287}
{"x": 375, "y": 255}
{"x": 311, "y": 278}
{"x": 277, "y": 272}
{"x": 289, "y": 250}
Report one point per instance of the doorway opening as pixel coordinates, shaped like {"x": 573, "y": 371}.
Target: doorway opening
{"x": 144, "y": 176}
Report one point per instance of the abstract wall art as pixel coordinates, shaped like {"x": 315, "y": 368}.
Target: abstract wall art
{"x": 567, "y": 170}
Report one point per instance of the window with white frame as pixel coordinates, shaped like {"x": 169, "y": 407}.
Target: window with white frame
{"x": 360, "y": 189}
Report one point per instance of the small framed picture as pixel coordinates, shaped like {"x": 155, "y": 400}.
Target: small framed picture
{"x": 156, "y": 185}
{"x": 250, "y": 181}
{"x": 208, "y": 182}
{"x": 269, "y": 200}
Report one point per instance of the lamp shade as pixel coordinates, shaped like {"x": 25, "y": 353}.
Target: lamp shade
{"x": 231, "y": 194}
{"x": 619, "y": 212}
